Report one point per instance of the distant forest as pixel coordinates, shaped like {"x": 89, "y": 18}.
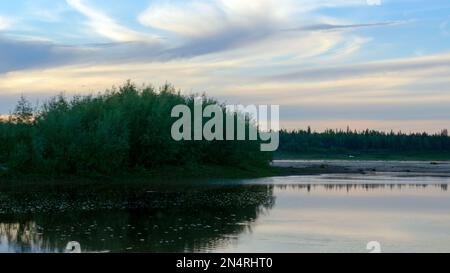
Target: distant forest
{"x": 364, "y": 144}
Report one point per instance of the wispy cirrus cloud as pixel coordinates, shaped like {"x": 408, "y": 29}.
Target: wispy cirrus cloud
{"x": 195, "y": 28}
{"x": 199, "y": 19}
{"x": 106, "y": 26}
{"x": 29, "y": 54}
{"x": 324, "y": 26}
{"x": 385, "y": 67}
{"x": 206, "y": 27}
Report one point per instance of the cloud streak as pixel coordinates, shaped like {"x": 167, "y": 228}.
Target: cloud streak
{"x": 325, "y": 27}
{"x": 27, "y": 54}
{"x": 195, "y": 29}
{"x": 199, "y": 19}
{"x": 378, "y": 67}
{"x": 106, "y": 26}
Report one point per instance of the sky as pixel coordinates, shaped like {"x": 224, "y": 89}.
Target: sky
{"x": 380, "y": 64}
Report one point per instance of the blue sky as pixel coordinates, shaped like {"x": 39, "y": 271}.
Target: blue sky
{"x": 329, "y": 64}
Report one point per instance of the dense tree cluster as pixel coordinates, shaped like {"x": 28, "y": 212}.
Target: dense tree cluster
{"x": 121, "y": 130}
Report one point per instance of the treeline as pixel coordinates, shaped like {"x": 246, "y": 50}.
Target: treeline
{"x": 349, "y": 142}
{"x": 123, "y": 129}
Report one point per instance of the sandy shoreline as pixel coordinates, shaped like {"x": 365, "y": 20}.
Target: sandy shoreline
{"x": 329, "y": 166}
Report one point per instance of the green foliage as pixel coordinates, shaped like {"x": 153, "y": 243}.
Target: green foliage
{"x": 23, "y": 113}
{"x": 124, "y": 129}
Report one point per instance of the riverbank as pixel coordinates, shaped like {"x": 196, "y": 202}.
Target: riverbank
{"x": 435, "y": 168}
{"x": 365, "y": 156}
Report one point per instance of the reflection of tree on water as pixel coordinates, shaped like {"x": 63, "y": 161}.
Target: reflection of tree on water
{"x": 26, "y": 237}
{"x": 198, "y": 219}
{"x": 354, "y": 187}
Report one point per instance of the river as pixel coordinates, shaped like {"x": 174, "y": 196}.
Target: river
{"x": 403, "y": 212}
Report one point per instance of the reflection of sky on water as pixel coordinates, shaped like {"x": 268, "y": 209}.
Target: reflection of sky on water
{"x": 296, "y": 214}
{"x": 409, "y": 217}
{"x": 346, "y": 179}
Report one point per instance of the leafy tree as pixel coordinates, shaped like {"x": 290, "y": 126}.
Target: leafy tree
{"x": 23, "y": 113}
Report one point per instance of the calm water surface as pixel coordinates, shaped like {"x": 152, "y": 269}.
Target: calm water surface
{"x": 328, "y": 213}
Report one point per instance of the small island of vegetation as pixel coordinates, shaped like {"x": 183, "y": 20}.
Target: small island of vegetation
{"x": 124, "y": 131}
